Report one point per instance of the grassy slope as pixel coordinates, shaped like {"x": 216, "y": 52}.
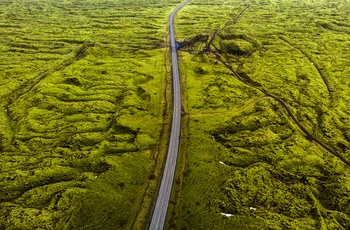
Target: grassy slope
{"x": 82, "y": 98}
{"x": 242, "y": 150}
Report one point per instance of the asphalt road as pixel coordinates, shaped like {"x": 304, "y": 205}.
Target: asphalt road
{"x": 160, "y": 210}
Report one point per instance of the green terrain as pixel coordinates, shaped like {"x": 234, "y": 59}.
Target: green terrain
{"x": 242, "y": 154}
{"x": 82, "y": 101}
{"x": 85, "y": 106}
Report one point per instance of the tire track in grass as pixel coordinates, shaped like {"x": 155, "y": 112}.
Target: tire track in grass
{"x": 238, "y": 110}
{"x": 284, "y": 105}
{"x": 30, "y": 84}
{"x": 286, "y": 108}
{"x": 329, "y": 85}
{"x": 228, "y": 24}
{"x": 44, "y": 126}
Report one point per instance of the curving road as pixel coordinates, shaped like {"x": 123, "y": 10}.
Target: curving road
{"x": 160, "y": 210}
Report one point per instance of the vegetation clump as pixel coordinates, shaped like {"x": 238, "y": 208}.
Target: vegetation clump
{"x": 246, "y": 164}
{"x": 237, "y": 47}
{"x": 82, "y": 102}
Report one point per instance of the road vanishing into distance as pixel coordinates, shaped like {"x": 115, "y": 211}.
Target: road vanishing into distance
{"x": 160, "y": 210}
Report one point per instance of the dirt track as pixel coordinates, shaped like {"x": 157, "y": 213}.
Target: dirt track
{"x": 267, "y": 94}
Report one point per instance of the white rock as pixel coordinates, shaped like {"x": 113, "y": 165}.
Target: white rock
{"x": 227, "y": 214}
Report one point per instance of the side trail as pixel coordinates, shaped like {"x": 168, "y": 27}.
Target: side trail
{"x": 266, "y": 93}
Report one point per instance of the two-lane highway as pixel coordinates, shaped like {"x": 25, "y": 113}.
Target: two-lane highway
{"x": 160, "y": 210}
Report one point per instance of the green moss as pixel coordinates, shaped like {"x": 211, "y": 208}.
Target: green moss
{"x": 243, "y": 149}
{"x": 80, "y": 89}
{"x": 237, "y": 47}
